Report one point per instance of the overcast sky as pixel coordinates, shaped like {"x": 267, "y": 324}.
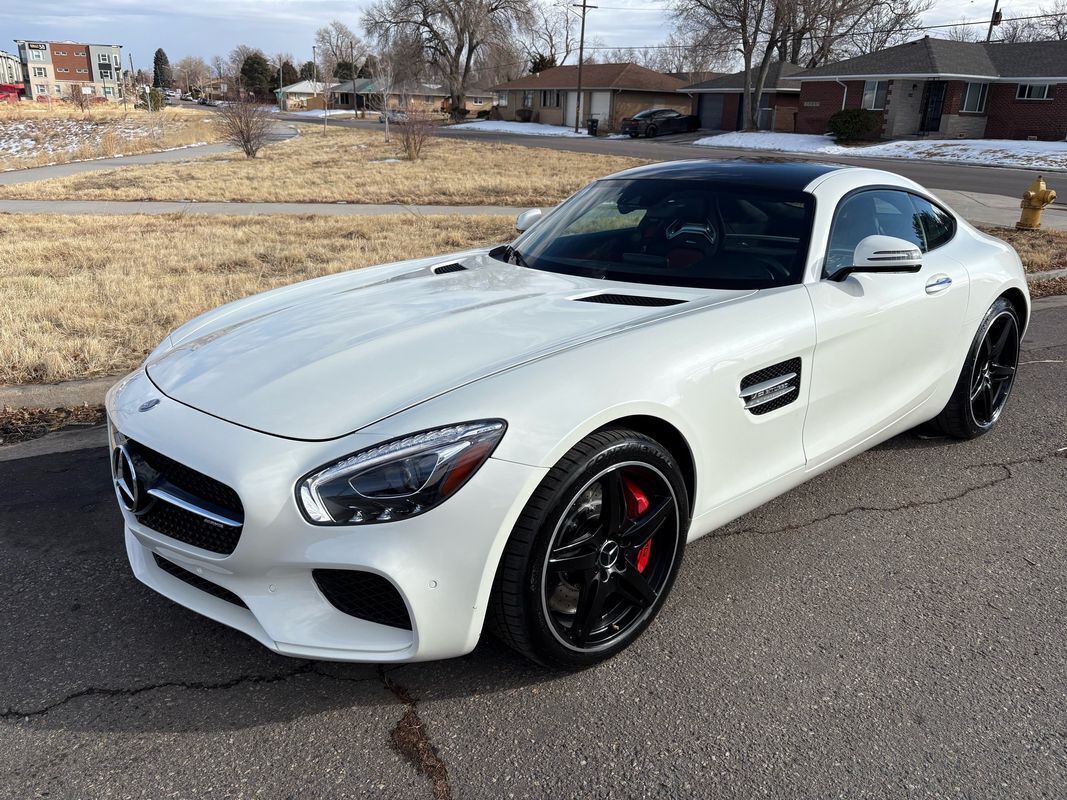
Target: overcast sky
{"x": 209, "y": 27}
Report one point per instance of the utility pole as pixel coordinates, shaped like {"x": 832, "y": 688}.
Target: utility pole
{"x": 325, "y": 96}
{"x": 581, "y": 57}
{"x": 994, "y": 19}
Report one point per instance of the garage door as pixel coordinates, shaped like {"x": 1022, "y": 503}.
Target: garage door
{"x": 600, "y": 106}
{"x": 709, "y": 109}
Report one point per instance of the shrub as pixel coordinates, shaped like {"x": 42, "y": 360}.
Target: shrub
{"x": 484, "y": 114}
{"x": 460, "y": 114}
{"x": 414, "y": 131}
{"x": 854, "y": 124}
{"x": 246, "y": 124}
{"x": 524, "y": 114}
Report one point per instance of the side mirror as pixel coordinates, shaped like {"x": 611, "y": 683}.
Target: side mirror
{"x": 527, "y": 219}
{"x": 882, "y": 254}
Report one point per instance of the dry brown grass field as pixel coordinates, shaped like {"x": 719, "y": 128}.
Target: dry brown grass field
{"x": 1040, "y": 251}
{"x": 346, "y": 165}
{"x": 88, "y": 296}
{"x": 34, "y": 135}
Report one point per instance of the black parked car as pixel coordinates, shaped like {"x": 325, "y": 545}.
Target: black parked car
{"x": 654, "y": 121}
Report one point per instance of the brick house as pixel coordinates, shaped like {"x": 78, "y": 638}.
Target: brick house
{"x": 610, "y": 93}
{"x": 944, "y": 89}
{"x": 720, "y": 101}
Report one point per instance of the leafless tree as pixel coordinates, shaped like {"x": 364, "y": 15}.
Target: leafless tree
{"x": 384, "y": 81}
{"x": 964, "y": 33}
{"x": 415, "y": 130}
{"x": 245, "y": 124}
{"x": 221, "y": 67}
{"x": 884, "y": 25}
{"x": 1055, "y": 28}
{"x": 452, "y": 32}
{"x": 549, "y": 30}
{"x": 337, "y": 45}
{"x": 192, "y": 72}
{"x": 1052, "y": 26}
{"x": 78, "y": 97}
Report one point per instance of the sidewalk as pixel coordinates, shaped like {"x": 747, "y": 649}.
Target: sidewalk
{"x": 997, "y": 209}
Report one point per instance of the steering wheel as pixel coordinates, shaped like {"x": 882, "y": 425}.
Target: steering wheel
{"x": 706, "y": 235}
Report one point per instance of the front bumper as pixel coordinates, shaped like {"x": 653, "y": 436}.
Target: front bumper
{"x": 442, "y": 562}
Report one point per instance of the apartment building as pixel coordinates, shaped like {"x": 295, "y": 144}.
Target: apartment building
{"x": 10, "y": 69}
{"x": 53, "y": 70}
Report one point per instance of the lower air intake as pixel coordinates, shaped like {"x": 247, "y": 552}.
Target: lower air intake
{"x": 196, "y": 581}
{"x": 364, "y": 595}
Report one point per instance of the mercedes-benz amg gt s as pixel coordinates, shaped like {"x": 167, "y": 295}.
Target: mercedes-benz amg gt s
{"x": 380, "y": 464}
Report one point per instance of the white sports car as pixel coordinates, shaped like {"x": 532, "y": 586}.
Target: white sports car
{"x": 373, "y": 466}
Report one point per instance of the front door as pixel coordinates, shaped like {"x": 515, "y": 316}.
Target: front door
{"x": 882, "y": 347}
{"x": 932, "y": 105}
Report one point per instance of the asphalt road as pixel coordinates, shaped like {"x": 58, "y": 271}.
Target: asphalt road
{"x": 895, "y": 628}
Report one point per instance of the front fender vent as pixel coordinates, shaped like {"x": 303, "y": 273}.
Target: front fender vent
{"x": 772, "y": 387}
{"x": 630, "y": 300}
{"x": 444, "y": 270}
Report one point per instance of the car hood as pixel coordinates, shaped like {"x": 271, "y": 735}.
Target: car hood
{"x": 325, "y": 358}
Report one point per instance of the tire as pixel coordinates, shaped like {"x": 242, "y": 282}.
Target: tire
{"x": 650, "y": 131}
{"x": 987, "y": 377}
{"x": 534, "y": 597}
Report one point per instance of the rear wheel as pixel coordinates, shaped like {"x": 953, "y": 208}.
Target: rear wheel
{"x": 594, "y": 554}
{"x": 650, "y": 131}
{"x": 987, "y": 377}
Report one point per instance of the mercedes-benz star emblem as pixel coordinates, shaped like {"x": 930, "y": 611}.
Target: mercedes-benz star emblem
{"x": 127, "y": 486}
{"x": 148, "y": 405}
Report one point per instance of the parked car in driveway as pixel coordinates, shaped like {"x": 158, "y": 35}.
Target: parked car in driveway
{"x": 393, "y": 114}
{"x": 655, "y": 121}
{"x": 373, "y": 466}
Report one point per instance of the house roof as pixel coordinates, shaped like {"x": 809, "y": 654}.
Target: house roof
{"x": 597, "y": 76}
{"x": 778, "y": 80}
{"x": 305, "y": 87}
{"x": 928, "y": 57}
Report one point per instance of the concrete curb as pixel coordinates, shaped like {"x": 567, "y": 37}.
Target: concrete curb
{"x": 1033, "y": 277}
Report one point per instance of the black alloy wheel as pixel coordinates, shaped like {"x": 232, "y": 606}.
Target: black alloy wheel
{"x": 987, "y": 377}
{"x": 610, "y": 556}
{"x": 650, "y": 131}
{"x": 993, "y": 372}
{"x": 594, "y": 554}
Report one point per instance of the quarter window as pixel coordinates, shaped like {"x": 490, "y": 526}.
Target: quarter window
{"x": 1034, "y": 91}
{"x": 874, "y": 93}
{"x": 974, "y": 97}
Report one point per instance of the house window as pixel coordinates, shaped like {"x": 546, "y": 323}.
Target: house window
{"x": 527, "y": 99}
{"x": 41, "y": 88}
{"x": 59, "y": 52}
{"x": 550, "y": 98}
{"x": 83, "y": 72}
{"x": 974, "y": 95}
{"x": 103, "y": 58}
{"x": 107, "y": 91}
{"x": 502, "y": 99}
{"x": 81, "y": 54}
{"x": 59, "y": 89}
{"x": 118, "y": 61}
{"x": 41, "y": 72}
{"x": 62, "y": 69}
{"x": 1034, "y": 91}
{"x": 874, "y": 93}
{"x": 36, "y": 55}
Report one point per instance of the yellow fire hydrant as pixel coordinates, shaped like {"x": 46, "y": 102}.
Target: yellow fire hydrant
{"x": 1035, "y": 199}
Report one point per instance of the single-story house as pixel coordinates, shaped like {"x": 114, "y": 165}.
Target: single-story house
{"x": 302, "y": 95}
{"x": 946, "y": 89}
{"x": 610, "y": 93}
{"x": 422, "y": 97}
{"x": 720, "y": 101}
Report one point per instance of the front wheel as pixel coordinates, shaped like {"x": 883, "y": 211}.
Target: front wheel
{"x": 987, "y": 377}
{"x": 594, "y": 554}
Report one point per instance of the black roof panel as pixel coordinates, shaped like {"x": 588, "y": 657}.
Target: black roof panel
{"x": 761, "y": 173}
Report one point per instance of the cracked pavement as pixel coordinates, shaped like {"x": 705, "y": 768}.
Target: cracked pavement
{"x": 896, "y": 627}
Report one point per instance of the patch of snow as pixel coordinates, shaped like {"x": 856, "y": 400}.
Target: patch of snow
{"x": 522, "y": 128}
{"x": 385, "y": 161}
{"x": 989, "y": 152}
{"x": 319, "y": 113}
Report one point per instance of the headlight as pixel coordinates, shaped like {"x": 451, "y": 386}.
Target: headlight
{"x": 400, "y": 478}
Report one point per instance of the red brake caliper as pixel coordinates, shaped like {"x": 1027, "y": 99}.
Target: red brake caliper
{"x": 637, "y": 504}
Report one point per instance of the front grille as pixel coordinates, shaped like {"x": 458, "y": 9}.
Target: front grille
{"x": 630, "y": 300}
{"x": 196, "y": 581}
{"x": 364, "y": 595}
{"x": 157, "y": 471}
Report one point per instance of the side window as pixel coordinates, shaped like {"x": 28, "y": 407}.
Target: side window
{"x": 937, "y": 224}
{"x": 880, "y": 211}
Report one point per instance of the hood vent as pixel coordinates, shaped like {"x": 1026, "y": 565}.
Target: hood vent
{"x": 629, "y": 300}
{"x": 446, "y": 268}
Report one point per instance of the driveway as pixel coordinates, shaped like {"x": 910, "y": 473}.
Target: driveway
{"x": 894, "y": 628}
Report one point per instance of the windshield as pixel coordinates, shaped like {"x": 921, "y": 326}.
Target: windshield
{"x": 674, "y": 233}
{"x": 644, "y": 114}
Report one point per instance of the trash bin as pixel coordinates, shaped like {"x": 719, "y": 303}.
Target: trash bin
{"x": 591, "y": 125}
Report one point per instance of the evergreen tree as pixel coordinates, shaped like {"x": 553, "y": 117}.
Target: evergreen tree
{"x": 540, "y": 62}
{"x": 258, "y": 77}
{"x": 307, "y": 71}
{"x": 161, "y": 77}
{"x": 289, "y": 74}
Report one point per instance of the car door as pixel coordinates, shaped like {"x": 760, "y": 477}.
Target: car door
{"x": 669, "y": 122}
{"x": 884, "y": 341}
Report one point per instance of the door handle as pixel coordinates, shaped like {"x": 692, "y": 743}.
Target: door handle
{"x": 938, "y": 284}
